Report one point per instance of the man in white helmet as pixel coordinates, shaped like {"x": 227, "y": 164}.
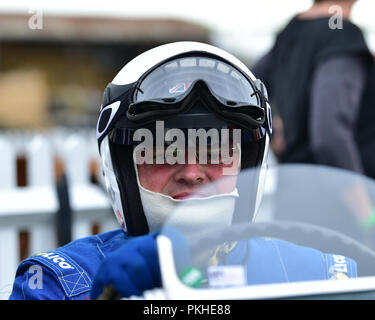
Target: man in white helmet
{"x": 148, "y": 132}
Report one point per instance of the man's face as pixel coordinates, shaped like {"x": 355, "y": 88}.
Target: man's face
{"x": 182, "y": 180}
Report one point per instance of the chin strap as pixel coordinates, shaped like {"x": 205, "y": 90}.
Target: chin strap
{"x": 136, "y": 223}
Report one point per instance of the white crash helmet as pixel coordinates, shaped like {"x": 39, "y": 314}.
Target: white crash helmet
{"x": 187, "y": 85}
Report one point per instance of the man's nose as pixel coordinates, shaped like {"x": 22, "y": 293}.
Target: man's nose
{"x": 190, "y": 174}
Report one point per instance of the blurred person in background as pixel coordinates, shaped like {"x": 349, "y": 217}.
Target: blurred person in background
{"x": 319, "y": 75}
{"x": 321, "y": 80}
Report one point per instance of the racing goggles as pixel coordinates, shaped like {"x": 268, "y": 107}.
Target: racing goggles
{"x": 175, "y": 86}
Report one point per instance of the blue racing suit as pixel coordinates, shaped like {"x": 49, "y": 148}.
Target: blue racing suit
{"x": 268, "y": 260}
{"x": 68, "y": 272}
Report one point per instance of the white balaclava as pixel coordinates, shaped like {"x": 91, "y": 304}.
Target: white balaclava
{"x": 188, "y": 214}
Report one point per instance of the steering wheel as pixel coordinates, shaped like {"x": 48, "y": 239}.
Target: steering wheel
{"x": 305, "y": 234}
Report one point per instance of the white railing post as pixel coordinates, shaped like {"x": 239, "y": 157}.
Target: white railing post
{"x": 40, "y": 173}
{"x": 40, "y": 170}
{"x": 8, "y": 172}
{"x": 76, "y": 160}
{"x": 9, "y": 251}
{"x": 77, "y": 172}
{"x": 9, "y": 242}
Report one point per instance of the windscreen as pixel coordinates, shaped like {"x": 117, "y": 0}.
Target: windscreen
{"x": 314, "y": 223}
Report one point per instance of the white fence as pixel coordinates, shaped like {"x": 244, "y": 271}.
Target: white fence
{"x": 32, "y": 208}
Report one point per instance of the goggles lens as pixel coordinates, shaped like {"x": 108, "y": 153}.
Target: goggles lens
{"x": 173, "y": 79}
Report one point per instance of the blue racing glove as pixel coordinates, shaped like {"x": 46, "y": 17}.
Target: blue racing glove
{"x": 131, "y": 269}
